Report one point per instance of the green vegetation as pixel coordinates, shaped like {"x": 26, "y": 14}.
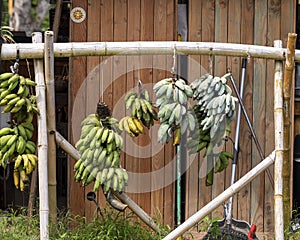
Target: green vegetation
{"x": 113, "y": 225}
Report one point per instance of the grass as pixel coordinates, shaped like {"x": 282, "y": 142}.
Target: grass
{"x": 113, "y": 225}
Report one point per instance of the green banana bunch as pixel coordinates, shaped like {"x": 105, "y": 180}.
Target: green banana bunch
{"x": 14, "y": 93}
{"x": 131, "y": 125}
{"x": 172, "y": 100}
{"x": 141, "y": 107}
{"x": 16, "y": 141}
{"x": 100, "y": 147}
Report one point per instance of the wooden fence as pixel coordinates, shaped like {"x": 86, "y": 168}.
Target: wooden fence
{"x": 249, "y": 22}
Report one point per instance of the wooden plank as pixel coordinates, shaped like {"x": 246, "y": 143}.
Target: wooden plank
{"x": 259, "y": 88}
{"x": 169, "y": 190}
{"x": 147, "y": 20}
{"x": 192, "y": 180}
{"x": 76, "y": 201}
{"x": 243, "y": 197}
{"x": 133, "y": 34}
{"x": 159, "y": 67}
{"x": 220, "y": 65}
{"x": 92, "y": 83}
{"x": 106, "y": 66}
{"x": 273, "y": 34}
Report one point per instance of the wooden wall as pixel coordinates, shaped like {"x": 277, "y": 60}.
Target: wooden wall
{"x": 250, "y": 22}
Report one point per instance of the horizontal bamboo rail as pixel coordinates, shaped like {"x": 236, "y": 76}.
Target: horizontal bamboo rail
{"x": 75, "y": 49}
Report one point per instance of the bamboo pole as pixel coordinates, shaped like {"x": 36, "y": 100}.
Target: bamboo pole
{"x": 278, "y": 125}
{"x": 68, "y": 148}
{"x": 76, "y": 49}
{"x": 51, "y": 123}
{"x": 287, "y": 104}
{"x": 42, "y": 143}
{"x": 221, "y": 198}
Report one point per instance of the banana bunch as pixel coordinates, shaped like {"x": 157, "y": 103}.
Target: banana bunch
{"x": 141, "y": 106}
{"x": 15, "y": 93}
{"x": 216, "y": 103}
{"x": 100, "y": 146}
{"x": 131, "y": 125}
{"x": 172, "y": 99}
{"x": 16, "y": 141}
{"x": 21, "y": 179}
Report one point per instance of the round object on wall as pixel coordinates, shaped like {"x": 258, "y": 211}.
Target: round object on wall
{"x": 78, "y": 14}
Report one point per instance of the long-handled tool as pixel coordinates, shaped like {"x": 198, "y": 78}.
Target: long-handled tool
{"x": 230, "y": 228}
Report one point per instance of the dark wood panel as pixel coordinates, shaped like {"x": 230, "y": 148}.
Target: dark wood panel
{"x": 78, "y": 65}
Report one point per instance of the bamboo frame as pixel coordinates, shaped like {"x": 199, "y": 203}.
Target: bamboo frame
{"x": 287, "y": 104}
{"x": 36, "y": 51}
{"x": 278, "y": 125}
{"x": 42, "y": 144}
{"x": 51, "y": 123}
{"x": 75, "y": 49}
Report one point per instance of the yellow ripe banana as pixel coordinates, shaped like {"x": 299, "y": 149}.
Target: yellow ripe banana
{"x": 18, "y": 161}
{"x": 33, "y": 159}
{"x": 138, "y": 125}
{"x": 16, "y": 178}
{"x": 132, "y": 126}
{"x": 29, "y": 168}
{"x": 177, "y": 136}
{"x": 25, "y": 160}
{"x": 23, "y": 179}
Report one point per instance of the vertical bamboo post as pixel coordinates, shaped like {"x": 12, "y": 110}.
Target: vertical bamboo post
{"x": 287, "y": 91}
{"x": 278, "y": 124}
{"x": 42, "y": 143}
{"x": 51, "y": 123}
